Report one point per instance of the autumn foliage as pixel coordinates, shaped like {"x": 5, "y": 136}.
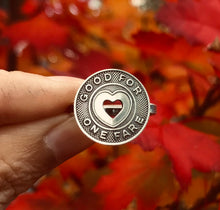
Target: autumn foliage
{"x": 173, "y": 47}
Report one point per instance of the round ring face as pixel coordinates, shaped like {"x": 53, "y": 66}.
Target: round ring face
{"x": 112, "y": 107}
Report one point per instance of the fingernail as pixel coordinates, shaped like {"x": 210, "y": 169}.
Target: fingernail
{"x": 66, "y": 140}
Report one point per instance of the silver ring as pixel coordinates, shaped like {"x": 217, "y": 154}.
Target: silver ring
{"x": 112, "y": 107}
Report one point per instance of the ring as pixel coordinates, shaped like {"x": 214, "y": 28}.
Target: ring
{"x": 112, "y": 107}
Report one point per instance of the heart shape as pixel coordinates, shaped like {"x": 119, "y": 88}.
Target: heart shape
{"x": 103, "y": 116}
{"x": 112, "y": 108}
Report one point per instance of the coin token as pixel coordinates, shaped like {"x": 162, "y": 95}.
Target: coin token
{"x": 112, "y": 107}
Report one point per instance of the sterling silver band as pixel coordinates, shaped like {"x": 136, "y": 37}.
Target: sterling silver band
{"x": 153, "y": 109}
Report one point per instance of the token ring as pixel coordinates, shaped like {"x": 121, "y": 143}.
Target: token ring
{"x": 112, "y": 107}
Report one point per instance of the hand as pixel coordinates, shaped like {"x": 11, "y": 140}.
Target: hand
{"x": 36, "y": 131}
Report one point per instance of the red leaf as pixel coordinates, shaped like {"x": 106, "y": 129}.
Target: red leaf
{"x": 101, "y": 151}
{"x": 3, "y": 15}
{"x": 137, "y": 176}
{"x": 30, "y": 7}
{"x": 215, "y": 61}
{"x": 3, "y": 55}
{"x": 3, "y": 18}
{"x": 170, "y": 55}
{"x": 164, "y": 46}
{"x": 190, "y": 149}
{"x": 77, "y": 166}
{"x": 198, "y": 21}
{"x": 150, "y": 138}
{"x": 40, "y": 32}
{"x": 49, "y": 195}
{"x": 154, "y": 43}
{"x": 86, "y": 64}
{"x": 69, "y": 13}
{"x": 90, "y": 63}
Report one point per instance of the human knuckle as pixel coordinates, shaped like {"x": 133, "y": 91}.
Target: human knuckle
{"x": 5, "y": 114}
{"x": 7, "y": 96}
{"x": 7, "y": 189}
{"x": 5, "y": 93}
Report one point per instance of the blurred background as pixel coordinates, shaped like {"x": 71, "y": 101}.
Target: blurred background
{"x": 173, "y": 48}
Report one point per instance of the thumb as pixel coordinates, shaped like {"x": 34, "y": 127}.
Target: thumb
{"x": 66, "y": 140}
{"x": 30, "y": 150}
{"x": 36, "y": 134}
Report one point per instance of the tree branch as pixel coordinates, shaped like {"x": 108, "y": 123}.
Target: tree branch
{"x": 194, "y": 94}
{"x": 212, "y": 97}
{"x": 200, "y": 204}
{"x": 209, "y": 198}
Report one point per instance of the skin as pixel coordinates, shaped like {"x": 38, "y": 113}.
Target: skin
{"x": 37, "y": 129}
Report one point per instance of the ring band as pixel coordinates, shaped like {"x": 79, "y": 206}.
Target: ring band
{"x": 153, "y": 109}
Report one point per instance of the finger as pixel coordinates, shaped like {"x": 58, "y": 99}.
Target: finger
{"x": 30, "y": 150}
{"x": 25, "y": 97}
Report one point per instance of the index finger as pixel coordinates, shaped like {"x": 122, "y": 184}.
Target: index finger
{"x": 26, "y": 97}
